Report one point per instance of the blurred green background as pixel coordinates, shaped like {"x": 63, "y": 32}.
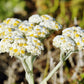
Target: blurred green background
{"x": 63, "y": 10}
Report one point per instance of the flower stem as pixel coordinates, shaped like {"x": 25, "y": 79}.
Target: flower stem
{"x": 62, "y": 59}
{"x": 28, "y": 66}
{"x": 61, "y": 75}
{"x": 80, "y": 59}
{"x": 30, "y": 78}
{"x": 55, "y": 69}
{"x": 51, "y": 73}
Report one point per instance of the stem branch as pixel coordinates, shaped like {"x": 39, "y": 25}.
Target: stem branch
{"x": 52, "y": 72}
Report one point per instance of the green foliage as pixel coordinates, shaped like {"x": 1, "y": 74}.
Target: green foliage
{"x": 76, "y": 6}
{"x": 82, "y": 21}
{"x": 63, "y": 10}
{"x": 46, "y": 6}
{"x": 82, "y": 79}
{"x": 81, "y": 82}
{"x": 82, "y": 75}
{"x": 9, "y": 7}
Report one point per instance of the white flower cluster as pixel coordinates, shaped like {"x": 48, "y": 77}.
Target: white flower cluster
{"x": 19, "y": 38}
{"x": 34, "y": 46}
{"x": 39, "y": 26}
{"x": 77, "y": 34}
{"x": 64, "y": 42}
{"x": 19, "y": 46}
{"x": 12, "y": 21}
{"x": 45, "y": 21}
{"x": 8, "y": 30}
{"x": 32, "y": 30}
{"x": 70, "y": 39}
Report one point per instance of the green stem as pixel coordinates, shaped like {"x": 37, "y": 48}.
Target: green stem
{"x": 28, "y": 66}
{"x": 62, "y": 59}
{"x": 52, "y": 72}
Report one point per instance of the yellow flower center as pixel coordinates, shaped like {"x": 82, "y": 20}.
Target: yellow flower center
{"x": 77, "y": 35}
{"x": 25, "y": 29}
{"x": 78, "y": 43}
{"x": 35, "y": 40}
{"x": 22, "y": 29}
{"x": 2, "y": 46}
{"x": 32, "y": 25}
{"x": 61, "y": 38}
{"x": 11, "y": 48}
{"x": 68, "y": 35}
{"x": 0, "y": 26}
{"x": 75, "y": 31}
{"x": 36, "y": 47}
{"x": 22, "y": 51}
{"x": 45, "y": 17}
{"x": 3, "y": 33}
{"x": 38, "y": 44}
{"x": 83, "y": 40}
{"x": 15, "y": 24}
{"x": 7, "y": 22}
{"x": 4, "y": 40}
{"x": 43, "y": 33}
{"x": 35, "y": 36}
{"x": 24, "y": 44}
{"x": 44, "y": 27}
{"x": 39, "y": 33}
{"x": 9, "y": 29}
{"x": 64, "y": 41}
{"x": 15, "y": 50}
{"x": 37, "y": 29}
{"x": 56, "y": 27}
{"x": 20, "y": 44}
{"x": 32, "y": 35}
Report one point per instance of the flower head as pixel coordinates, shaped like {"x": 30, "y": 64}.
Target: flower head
{"x": 46, "y": 17}
{"x": 34, "y": 46}
{"x": 63, "y": 42}
{"x": 73, "y": 32}
{"x": 19, "y": 38}
{"x": 35, "y": 19}
{"x": 77, "y": 34}
{"x": 51, "y": 25}
{"x": 12, "y": 21}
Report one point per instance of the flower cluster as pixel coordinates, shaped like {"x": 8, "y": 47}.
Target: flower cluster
{"x": 45, "y": 21}
{"x": 77, "y": 34}
{"x": 20, "y": 38}
{"x": 20, "y": 46}
{"x": 12, "y": 21}
{"x": 32, "y": 30}
{"x": 64, "y": 42}
{"x": 70, "y": 39}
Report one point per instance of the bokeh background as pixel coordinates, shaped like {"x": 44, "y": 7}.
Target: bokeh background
{"x": 63, "y": 10}
{"x": 66, "y": 12}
